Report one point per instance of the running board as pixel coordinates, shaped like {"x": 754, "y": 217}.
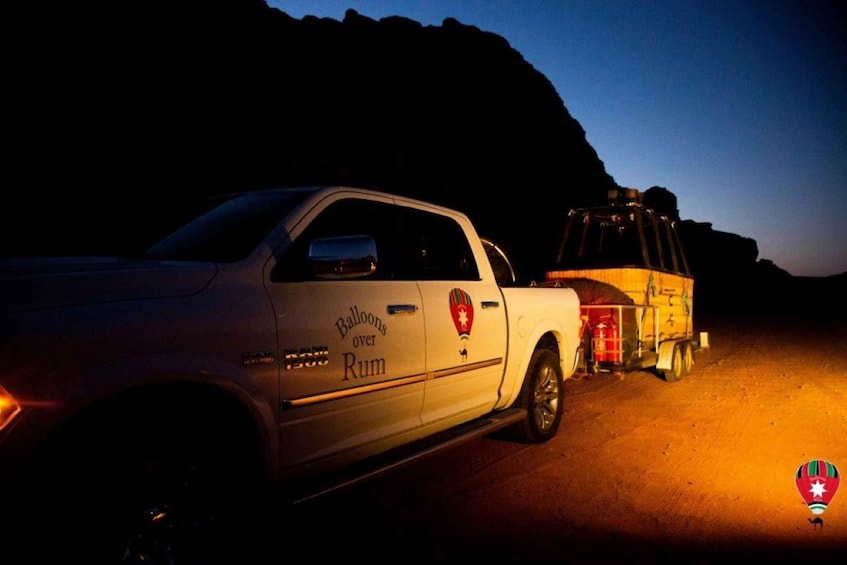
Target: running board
{"x": 414, "y": 451}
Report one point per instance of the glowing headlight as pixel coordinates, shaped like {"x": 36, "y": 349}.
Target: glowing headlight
{"x": 9, "y": 407}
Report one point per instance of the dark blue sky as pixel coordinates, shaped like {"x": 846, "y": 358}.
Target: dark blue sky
{"x": 737, "y": 107}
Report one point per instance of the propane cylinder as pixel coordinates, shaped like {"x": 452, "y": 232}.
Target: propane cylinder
{"x": 607, "y": 342}
{"x": 598, "y": 337}
{"x": 614, "y": 343}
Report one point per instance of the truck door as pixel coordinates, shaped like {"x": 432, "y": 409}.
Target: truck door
{"x": 352, "y": 349}
{"x": 465, "y": 323}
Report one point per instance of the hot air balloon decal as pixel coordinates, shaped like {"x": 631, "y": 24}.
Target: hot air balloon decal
{"x": 817, "y": 480}
{"x": 461, "y": 309}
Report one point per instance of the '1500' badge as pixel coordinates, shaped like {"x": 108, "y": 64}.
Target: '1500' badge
{"x": 305, "y": 357}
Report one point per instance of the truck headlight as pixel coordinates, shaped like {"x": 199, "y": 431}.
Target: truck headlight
{"x": 9, "y": 407}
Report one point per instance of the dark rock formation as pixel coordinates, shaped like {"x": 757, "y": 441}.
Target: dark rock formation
{"x": 120, "y": 109}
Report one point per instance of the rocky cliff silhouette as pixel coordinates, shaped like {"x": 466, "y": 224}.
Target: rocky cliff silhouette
{"x": 122, "y": 104}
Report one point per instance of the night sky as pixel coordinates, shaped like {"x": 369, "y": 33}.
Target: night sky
{"x": 737, "y": 107}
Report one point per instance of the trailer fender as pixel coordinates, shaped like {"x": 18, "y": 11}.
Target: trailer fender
{"x": 665, "y": 362}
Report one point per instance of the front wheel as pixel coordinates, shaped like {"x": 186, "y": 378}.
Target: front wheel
{"x": 147, "y": 483}
{"x": 542, "y": 396}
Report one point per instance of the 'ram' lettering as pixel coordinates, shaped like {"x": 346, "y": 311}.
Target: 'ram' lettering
{"x": 356, "y": 369}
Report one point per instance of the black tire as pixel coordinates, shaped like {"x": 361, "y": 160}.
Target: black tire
{"x": 156, "y": 484}
{"x": 542, "y": 396}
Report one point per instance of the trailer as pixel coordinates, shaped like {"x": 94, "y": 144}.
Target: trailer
{"x": 627, "y": 265}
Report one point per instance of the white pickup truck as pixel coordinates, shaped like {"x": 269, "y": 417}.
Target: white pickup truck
{"x": 284, "y": 337}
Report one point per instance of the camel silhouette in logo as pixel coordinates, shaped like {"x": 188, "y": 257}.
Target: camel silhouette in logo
{"x": 816, "y": 522}
{"x": 464, "y": 353}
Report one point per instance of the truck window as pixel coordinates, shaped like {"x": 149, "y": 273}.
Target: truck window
{"x": 411, "y": 244}
{"x": 436, "y": 247}
{"x": 347, "y": 217}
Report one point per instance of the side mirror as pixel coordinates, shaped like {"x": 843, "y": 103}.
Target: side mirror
{"x": 344, "y": 257}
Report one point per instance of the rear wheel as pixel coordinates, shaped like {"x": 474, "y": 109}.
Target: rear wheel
{"x": 542, "y": 396}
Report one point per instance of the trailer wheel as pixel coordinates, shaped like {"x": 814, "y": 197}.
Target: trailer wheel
{"x": 677, "y": 370}
{"x": 542, "y": 396}
{"x": 687, "y": 358}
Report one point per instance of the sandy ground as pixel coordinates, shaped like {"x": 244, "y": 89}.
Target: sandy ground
{"x": 642, "y": 471}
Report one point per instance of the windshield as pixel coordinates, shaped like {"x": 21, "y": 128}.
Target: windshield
{"x": 176, "y": 226}
{"x": 230, "y": 229}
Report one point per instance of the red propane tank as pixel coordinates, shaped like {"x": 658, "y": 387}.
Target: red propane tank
{"x": 607, "y": 342}
{"x": 614, "y": 344}
{"x": 598, "y": 341}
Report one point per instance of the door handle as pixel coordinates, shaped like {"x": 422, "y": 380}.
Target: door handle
{"x": 395, "y": 309}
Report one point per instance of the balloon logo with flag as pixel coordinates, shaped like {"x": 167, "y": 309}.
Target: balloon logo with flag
{"x": 461, "y": 309}
{"x": 817, "y": 480}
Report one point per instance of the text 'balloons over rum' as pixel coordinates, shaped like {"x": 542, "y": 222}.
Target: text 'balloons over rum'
{"x": 817, "y": 480}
